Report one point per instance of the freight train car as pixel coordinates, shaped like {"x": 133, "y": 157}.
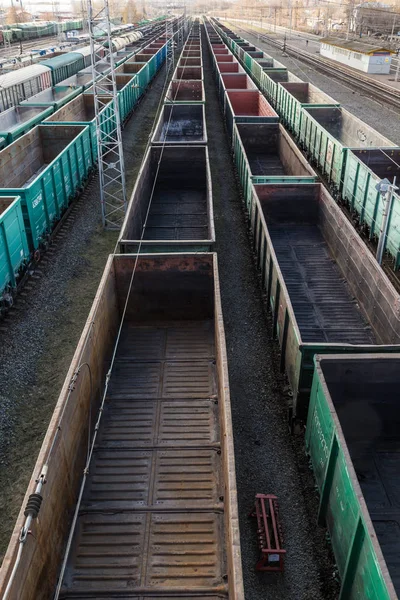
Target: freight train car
{"x": 87, "y": 54}
{"x": 229, "y": 82}
{"x": 353, "y": 440}
{"x": 364, "y": 169}
{"x": 64, "y": 66}
{"x": 119, "y": 43}
{"x": 265, "y": 153}
{"x": 351, "y": 155}
{"x": 292, "y": 97}
{"x": 139, "y": 69}
{"x": 14, "y": 248}
{"x": 19, "y": 85}
{"x": 183, "y": 124}
{"x": 53, "y": 97}
{"x": 327, "y": 133}
{"x": 16, "y": 121}
{"x": 127, "y": 94}
{"x": 326, "y": 292}
{"x": 256, "y": 62}
{"x": 241, "y": 105}
{"x": 82, "y": 79}
{"x": 264, "y": 70}
{"x": 177, "y": 183}
{"x": 185, "y": 91}
{"x": 81, "y": 111}
{"x": 25, "y": 82}
{"x": 46, "y": 168}
{"x": 54, "y": 178}
{"x": 30, "y": 31}
{"x": 247, "y": 107}
{"x": 135, "y": 529}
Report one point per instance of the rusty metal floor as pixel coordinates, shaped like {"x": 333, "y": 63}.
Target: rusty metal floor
{"x": 151, "y": 520}
{"x": 182, "y": 129}
{"x": 265, "y": 164}
{"x": 177, "y": 214}
{"x": 322, "y": 301}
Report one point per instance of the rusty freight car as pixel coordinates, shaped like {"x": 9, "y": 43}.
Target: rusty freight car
{"x": 156, "y": 513}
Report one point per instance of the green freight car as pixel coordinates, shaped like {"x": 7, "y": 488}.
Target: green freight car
{"x": 16, "y": 121}
{"x": 292, "y": 97}
{"x": 46, "y": 167}
{"x": 326, "y": 292}
{"x": 260, "y": 62}
{"x": 72, "y": 25}
{"x": 363, "y": 171}
{"x": 265, "y": 153}
{"x": 131, "y": 83}
{"x": 14, "y": 248}
{"x": 353, "y": 439}
{"x": 139, "y": 69}
{"x": 64, "y": 65}
{"x": 127, "y": 94}
{"x": 151, "y": 61}
{"x": 81, "y": 111}
{"x": 270, "y": 79}
{"x": 53, "y": 97}
{"x": 327, "y": 134}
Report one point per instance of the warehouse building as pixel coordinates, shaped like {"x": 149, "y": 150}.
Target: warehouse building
{"x": 360, "y": 55}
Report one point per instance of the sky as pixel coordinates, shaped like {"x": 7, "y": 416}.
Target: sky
{"x": 37, "y": 6}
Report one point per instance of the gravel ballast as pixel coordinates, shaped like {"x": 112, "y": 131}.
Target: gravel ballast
{"x": 268, "y": 459}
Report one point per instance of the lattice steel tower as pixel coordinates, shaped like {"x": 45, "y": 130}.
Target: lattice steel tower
{"x": 169, "y": 34}
{"x": 109, "y": 139}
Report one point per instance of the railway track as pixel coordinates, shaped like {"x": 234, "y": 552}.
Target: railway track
{"x": 379, "y": 91}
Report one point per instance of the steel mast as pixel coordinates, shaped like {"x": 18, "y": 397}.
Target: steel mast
{"x": 169, "y": 34}
{"x": 109, "y": 142}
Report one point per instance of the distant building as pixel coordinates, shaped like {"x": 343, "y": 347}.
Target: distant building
{"x": 357, "y": 54}
{"x": 374, "y": 17}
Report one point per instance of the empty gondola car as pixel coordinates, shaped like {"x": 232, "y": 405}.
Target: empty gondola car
{"x": 158, "y": 516}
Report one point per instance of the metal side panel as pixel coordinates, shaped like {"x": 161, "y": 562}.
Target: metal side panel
{"x": 14, "y": 251}
{"x": 355, "y": 474}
